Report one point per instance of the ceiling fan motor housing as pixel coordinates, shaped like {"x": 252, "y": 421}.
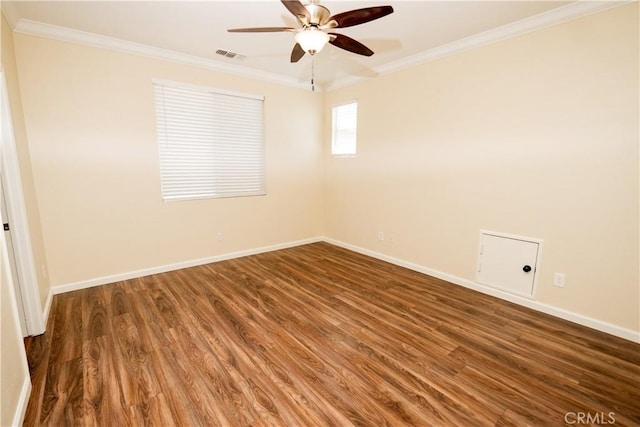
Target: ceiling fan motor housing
{"x": 318, "y": 15}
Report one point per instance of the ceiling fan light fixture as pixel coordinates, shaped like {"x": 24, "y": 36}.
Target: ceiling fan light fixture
{"x": 312, "y": 40}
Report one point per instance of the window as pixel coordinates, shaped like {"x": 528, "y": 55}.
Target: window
{"x": 344, "y": 129}
{"x": 211, "y": 143}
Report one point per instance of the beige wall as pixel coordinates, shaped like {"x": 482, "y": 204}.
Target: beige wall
{"x": 91, "y": 123}
{"x": 534, "y": 136}
{"x": 14, "y": 372}
{"x": 22, "y": 148}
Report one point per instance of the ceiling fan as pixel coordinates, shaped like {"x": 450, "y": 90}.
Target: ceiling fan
{"x": 315, "y": 22}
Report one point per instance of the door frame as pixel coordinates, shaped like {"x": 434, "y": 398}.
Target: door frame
{"x": 12, "y": 266}
{"x": 16, "y": 210}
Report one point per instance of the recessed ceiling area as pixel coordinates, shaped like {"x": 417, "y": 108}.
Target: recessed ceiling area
{"x": 199, "y": 29}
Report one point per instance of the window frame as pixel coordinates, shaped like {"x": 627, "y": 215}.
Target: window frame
{"x": 335, "y": 131}
{"x": 227, "y": 179}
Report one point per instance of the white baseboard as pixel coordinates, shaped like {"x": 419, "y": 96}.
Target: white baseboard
{"x": 580, "y": 319}
{"x": 21, "y": 409}
{"x": 47, "y": 308}
{"x": 177, "y": 266}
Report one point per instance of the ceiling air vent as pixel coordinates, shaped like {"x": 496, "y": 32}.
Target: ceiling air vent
{"x": 227, "y": 54}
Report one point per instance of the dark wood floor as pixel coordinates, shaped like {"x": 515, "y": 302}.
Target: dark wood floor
{"x": 319, "y": 336}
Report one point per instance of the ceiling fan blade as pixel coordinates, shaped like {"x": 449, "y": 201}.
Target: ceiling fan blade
{"x": 360, "y": 16}
{"x": 297, "y": 9}
{"x": 261, "y": 30}
{"x": 297, "y": 53}
{"x": 347, "y": 43}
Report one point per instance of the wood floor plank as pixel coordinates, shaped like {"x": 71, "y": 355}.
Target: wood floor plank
{"x": 38, "y": 350}
{"x": 154, "y": 411}
{"x": 136, "y": 376}
{"x": 176, "y": 391}
{"x": 317, "y": 335}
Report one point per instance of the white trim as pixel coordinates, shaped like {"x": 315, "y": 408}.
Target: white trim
{"x": 23, "y": 401}
{"x": 205, "y": 89}
{"x": 543, "y": 20}
{"x": 512, "y": 236}
{"x": 47, "y": 307}
{"x": 59, "y": 289}
{"x": 39, "y": 29}
{"x": 555, "y": 16}
{"x": 17, "y": 212}
{"x": 580, "y": 319}
{"x": 6, "y": 277}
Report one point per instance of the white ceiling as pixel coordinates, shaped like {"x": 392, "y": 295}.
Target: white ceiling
{"x": 198, "y": 28}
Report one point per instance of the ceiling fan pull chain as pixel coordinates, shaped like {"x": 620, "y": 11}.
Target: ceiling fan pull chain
{"x": 313, "y": 73}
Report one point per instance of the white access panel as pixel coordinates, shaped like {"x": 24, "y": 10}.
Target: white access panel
{"x": 508, "y": 262}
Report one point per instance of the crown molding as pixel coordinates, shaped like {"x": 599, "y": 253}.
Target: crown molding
{"x": 39, "y": 29}
{"x": 543, "y": 20}
{"x": 550, "y": 18}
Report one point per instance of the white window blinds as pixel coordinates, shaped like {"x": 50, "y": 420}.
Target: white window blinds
{"x": 344, "y": 129}
{"x": 211, "y": 143}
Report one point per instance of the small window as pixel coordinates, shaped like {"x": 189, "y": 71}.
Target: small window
{"x": 211, "y": 142}
{"x": 344, "y": 129}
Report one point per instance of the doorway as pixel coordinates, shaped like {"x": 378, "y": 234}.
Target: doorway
{"x": 12, "y": 262}
{"x": 14, "y": 213}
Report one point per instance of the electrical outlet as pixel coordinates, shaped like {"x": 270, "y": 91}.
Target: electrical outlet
{"x": 380, "y": 235}
{"x": 219, "y": 236}
{"x": 559, "y": 279}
